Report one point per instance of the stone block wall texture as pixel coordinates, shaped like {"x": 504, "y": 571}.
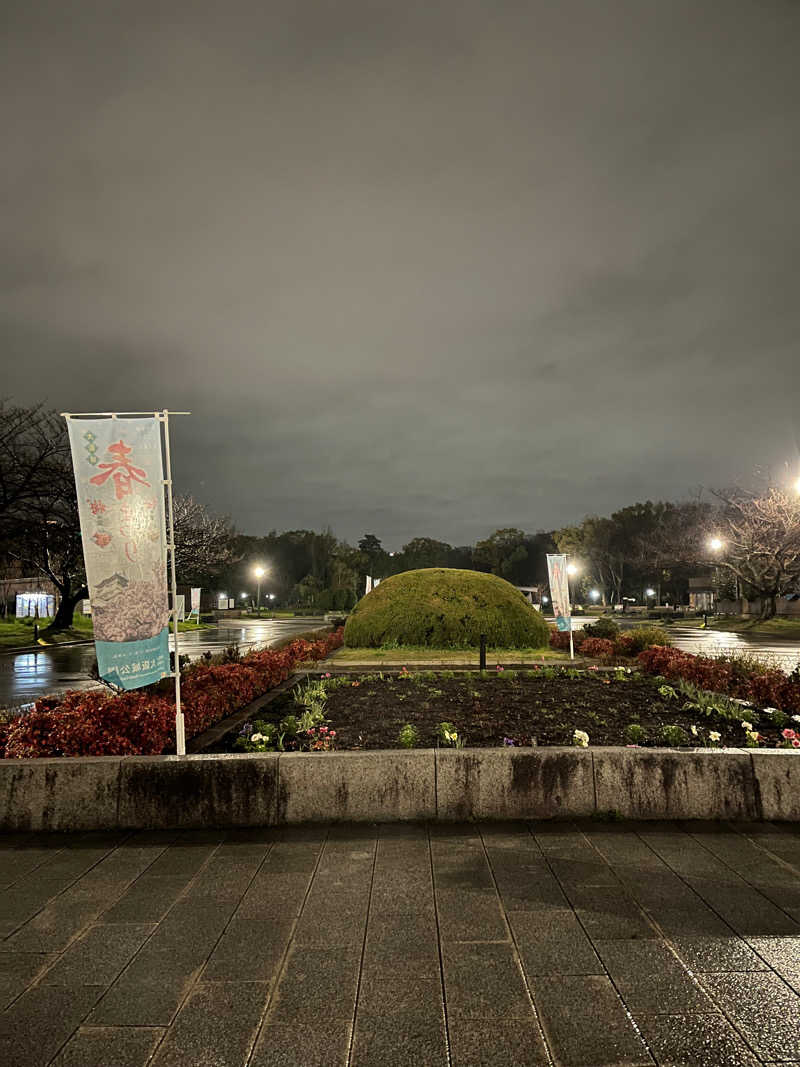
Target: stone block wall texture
{"x": 244, "y": 789}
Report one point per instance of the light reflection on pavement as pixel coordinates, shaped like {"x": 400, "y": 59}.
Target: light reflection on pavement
{"x": 26, "y": 676}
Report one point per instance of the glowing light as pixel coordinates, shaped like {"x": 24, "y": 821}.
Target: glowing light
{"x": 259, "y": 572}
{"x": 715, "y": 544}
{"x": 572, "y": 569}
{"x": 595, "y": 594}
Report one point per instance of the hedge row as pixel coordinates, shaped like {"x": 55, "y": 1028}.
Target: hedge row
{"x": 142, "y": 722}
{"x": 630, "y": 643}
{"x": 766, "y": 686}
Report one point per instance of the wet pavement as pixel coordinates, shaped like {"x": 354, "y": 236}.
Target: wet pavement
{"x": 433, "y": 946}
{"x": 26, "y": 676}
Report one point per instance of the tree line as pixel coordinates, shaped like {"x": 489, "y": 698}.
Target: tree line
{"x": 748, "y": 538}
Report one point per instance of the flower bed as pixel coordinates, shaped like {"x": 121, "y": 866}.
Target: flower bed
{"x": 738, "y": 678}
{"x": 543, "y": 706}
{"x": 142, "y": 722}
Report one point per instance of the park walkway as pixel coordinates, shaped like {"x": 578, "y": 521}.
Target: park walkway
{"x": 547, "y": 943}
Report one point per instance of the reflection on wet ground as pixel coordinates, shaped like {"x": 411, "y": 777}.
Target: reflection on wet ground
{"x": 26, "y": 676}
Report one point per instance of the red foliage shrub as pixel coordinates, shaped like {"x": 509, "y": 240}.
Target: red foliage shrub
{"x": 597, "y": 646}
{"x": 559, "y": 639}
{"x": 768, "y": 687}
{"x": 142, "y": 722}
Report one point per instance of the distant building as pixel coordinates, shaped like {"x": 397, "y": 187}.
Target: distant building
{"x": 701, "y": 593}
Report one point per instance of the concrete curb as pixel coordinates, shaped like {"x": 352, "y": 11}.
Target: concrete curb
{"x": 247, "y": 789}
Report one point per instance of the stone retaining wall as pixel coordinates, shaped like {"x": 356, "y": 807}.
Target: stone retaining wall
{"x": 244, "y": 789}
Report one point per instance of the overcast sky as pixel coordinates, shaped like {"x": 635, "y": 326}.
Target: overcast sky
{"x": 416, "y": 268}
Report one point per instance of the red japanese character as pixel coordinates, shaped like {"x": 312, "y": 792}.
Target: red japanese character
{"x": 120, "y": 471}
{"x": 102, "y": 539}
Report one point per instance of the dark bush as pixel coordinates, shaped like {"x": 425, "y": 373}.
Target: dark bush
{"x": 440, "y": 607}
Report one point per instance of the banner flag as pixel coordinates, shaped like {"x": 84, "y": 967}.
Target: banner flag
{"x": 369, "y": 585}
{"x": 559, "y": 590}
{"x": 120, "y": 484}
{"x": 196, "y": 598}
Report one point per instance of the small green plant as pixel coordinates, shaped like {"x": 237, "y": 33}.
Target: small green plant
{"x": 408, "y": 736}
{"x": 635, "y": 734}
{"x": 448, "y": 735}
{"x": 606, "y": 627}
{"x": 436, "y": 692}
{"x": 777, "y": 718}
{"x": 580, "y": 738}
{"x": 674, "y": 736}
{"x": 667, "y": 692}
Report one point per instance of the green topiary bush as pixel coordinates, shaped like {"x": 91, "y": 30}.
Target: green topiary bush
{"x": 444, "y": 608}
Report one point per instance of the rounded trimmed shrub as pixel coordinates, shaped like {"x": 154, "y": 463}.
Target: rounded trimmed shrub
{"x": 441, "y": 607}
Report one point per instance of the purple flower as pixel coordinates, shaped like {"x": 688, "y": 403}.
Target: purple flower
{"x": 508, "y": 741}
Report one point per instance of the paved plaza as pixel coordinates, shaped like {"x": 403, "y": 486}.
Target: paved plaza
{"x": 509, "y": 944}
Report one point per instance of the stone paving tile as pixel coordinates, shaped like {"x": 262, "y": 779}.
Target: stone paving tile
{"x": 485, "y": 981}
{"x": 147, "y": 900}
{"x": 585, "y": 1022}
{"x": 102, "y": 1046}
{"x": 18, "y": 970}
{"x": 553, "y": 941}
{"x": 748, "y": 911}
{"x": 197, "y": 945}
{"x": 325, "y": 1043}
{"x": 608, "y": 912}
{"x": 98, "y": 955}
{"x": 477, "y": 1043}
{"x": 694, "y": 1041}
{"x": 217, "y": 1024}
{"x": 470, "y": 915}
{"x": 398, "y": 1041}
{"x": 35, "y": 1027}
{"x": 317, "y": 976}
{"x": 703, "y": 954}
{"x": 250, "y": 950}
{"x": 764, "y": 1008}
{"x": 781, "y": 953}
{"x": 400, "y": 992}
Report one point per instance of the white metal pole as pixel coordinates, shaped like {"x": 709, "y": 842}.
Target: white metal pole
{"x": 571, "y": 645}
{"x": 180, "y": 733}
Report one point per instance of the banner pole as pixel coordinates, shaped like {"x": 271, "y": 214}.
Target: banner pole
{"x": 180, "y": 733}
{"x": 571, "y": 645}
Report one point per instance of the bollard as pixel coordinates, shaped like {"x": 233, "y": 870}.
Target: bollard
{"x": 483, "y": 652}
{"x": 35, "y": 632}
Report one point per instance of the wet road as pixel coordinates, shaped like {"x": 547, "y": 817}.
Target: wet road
{"x": 26, "y": 676}
{"x": 29, "y": 675}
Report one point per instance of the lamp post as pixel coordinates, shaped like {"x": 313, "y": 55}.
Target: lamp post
{"x": 259, "y": 573}
{"x": 716, "y": 544}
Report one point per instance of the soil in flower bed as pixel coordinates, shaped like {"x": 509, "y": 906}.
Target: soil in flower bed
{"x": 526, "y": 707}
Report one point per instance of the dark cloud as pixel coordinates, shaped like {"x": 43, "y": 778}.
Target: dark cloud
{"x": 418, "y": 269}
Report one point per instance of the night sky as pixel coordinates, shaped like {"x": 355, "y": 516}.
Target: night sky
{"x": 415, "y": 268}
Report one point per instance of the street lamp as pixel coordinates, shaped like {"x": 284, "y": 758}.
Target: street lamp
{"x": 259, "y": 573}
{"x": 715, "y": 544}
{"x": 797, "y": 486}
{"x": 572, "y": 570}
{"x": 594, "y": 594}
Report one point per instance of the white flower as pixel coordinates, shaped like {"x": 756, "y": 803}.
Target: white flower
{"x": 747, "y": 725}
{"x": 580, "y": 738}
{"x": 713, "y": 735}
{"x": 742, "y": 703}
{"x": 769, "y": 711}
{"x": 257, "y": 737}
{"x": 694, "y": 731}
{"x": 796, "y": 718}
